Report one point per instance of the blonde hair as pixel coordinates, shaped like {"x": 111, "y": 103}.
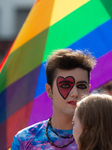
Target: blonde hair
{"x": 95, "y": 114}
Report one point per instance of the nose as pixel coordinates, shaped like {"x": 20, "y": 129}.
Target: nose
{"x": 74, "y": 92}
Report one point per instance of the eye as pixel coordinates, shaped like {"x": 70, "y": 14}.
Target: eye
{"x": 65, "y": 86}
{"x": 81, "y": 86}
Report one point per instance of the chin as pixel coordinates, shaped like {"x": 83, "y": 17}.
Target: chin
{"x": 71, "y": 113}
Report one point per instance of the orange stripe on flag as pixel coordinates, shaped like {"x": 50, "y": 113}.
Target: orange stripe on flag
{"x": 37, "y": 21}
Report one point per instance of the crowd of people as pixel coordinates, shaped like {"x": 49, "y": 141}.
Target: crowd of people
{"x": 80, "y": 121}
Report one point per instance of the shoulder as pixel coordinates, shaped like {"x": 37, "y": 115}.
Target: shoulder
{"x": 28, "y": 135}
{"x": 32, "y": 130}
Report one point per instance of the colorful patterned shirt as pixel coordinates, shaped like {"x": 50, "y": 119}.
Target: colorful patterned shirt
{"x": 34, "y": 138}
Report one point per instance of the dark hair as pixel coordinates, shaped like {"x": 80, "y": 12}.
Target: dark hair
{"x": 68, "y": 59}
{"x": 95, "y": 115}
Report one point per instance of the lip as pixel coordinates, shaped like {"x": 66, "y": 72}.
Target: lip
{"x": 72, "y": 103}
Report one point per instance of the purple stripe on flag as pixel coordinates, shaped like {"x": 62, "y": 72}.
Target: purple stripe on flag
{"x": 18, "y": 94}
{"x": 102, "y": 72}
{"x": 41, "y": 110}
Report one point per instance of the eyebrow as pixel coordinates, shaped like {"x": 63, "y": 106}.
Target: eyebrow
{"x": 82, "y": 82}
{"x": 66, "y": 81}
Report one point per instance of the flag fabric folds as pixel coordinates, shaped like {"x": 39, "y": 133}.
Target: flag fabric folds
{"x": 102, "y": 73}
{"x": 50, "y": 25}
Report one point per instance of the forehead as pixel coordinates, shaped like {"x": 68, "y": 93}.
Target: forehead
{"x": 78, "y": 73}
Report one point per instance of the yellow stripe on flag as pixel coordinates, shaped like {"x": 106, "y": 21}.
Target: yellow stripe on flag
{"x": 43, "y": 14}
{"x": 64, "y": 7}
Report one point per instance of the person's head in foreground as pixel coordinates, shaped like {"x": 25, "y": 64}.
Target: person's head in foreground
{"x": 68, "y": 75}
{"x": 93, "y": 123}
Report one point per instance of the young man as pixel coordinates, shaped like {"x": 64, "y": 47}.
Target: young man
{"x": 68, "y": 74}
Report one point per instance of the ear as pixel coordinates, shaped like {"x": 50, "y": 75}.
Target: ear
{"x": 89, "y": 87}
{"x": 48, "y": 90}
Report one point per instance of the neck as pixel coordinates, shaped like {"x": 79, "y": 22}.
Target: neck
{"x": 62, "y": 122}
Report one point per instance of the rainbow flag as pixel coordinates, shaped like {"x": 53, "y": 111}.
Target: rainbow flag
{"x": 50, "y": 25}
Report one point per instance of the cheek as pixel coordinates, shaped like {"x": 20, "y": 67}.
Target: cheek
{"x": 75, "y": 134}
{"x": 77, "y": 130}
{"x": 56, "y": 94}
{"x": 61, "y": 81}
{"x": 74, "y": 131}
{"x": 83, "y": 92}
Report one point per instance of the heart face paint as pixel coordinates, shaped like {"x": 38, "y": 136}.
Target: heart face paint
{"x": 65, "y": 85}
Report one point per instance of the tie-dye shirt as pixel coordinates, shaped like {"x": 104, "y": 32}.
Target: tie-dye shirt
{"x": 34, "y": 138}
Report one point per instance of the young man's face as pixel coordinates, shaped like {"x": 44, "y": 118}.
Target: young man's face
{"x": 68, "y": 88}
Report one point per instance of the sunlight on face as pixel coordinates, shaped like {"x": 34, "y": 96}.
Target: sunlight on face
{"x": 77, "y": 128}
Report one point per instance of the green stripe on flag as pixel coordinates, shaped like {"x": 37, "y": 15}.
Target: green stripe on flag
{"x": 108, "y": 6}
{"x": 75, "y": 26}
{"x": 23, "y": 60}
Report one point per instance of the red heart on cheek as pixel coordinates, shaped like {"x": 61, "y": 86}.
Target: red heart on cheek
{"x": 65, "y": 85}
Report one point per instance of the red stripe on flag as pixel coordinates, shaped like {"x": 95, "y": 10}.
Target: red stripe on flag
{"x": 13, "y": 124}
{"x": 5, "y": 58}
